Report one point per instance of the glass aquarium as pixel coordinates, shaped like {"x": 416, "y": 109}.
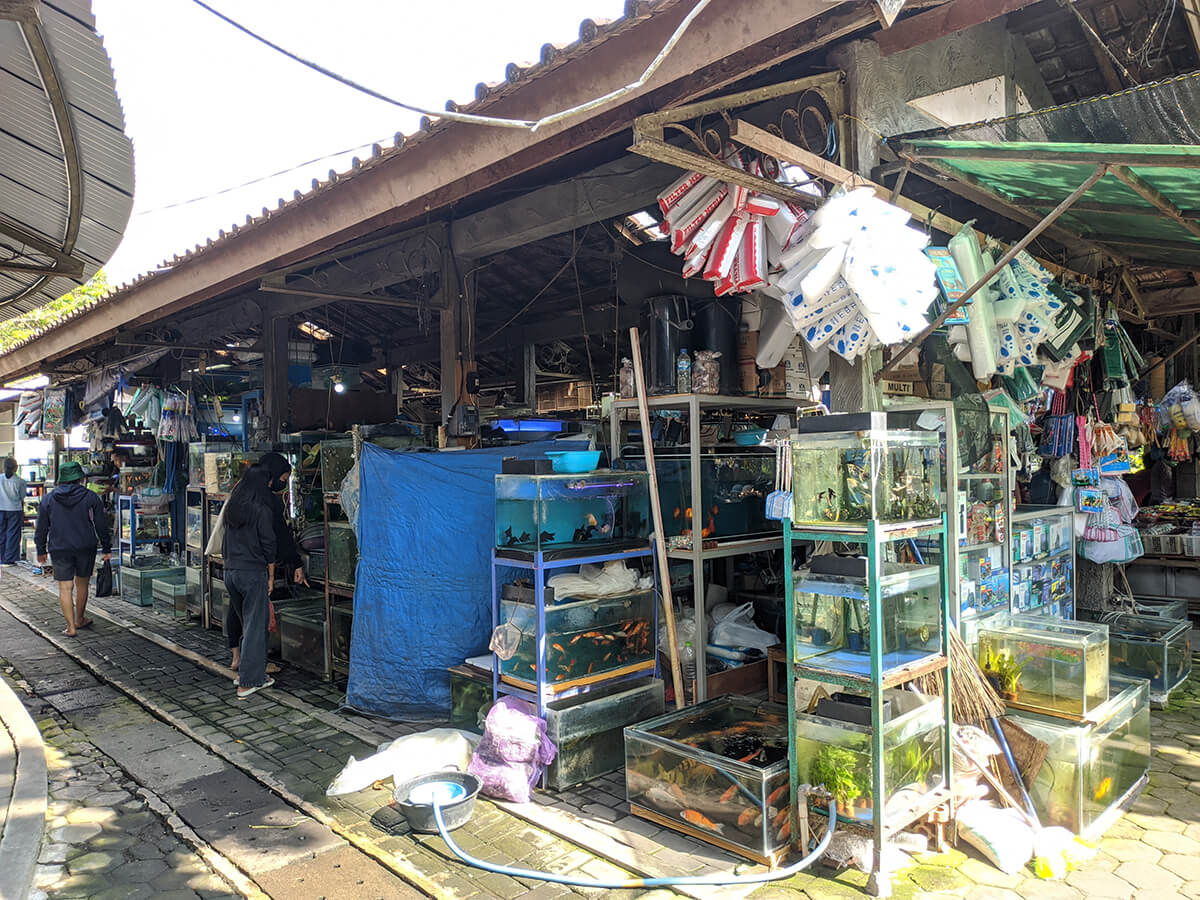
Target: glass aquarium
{"x": 836, "y": 753}
{"x": 584, "y": 639}
{"x": 195, "y": 528}
{"x": 341, "y": 628}
{"x": 1163, "y": 607}
{"x": 337, "y": 459}
{"x": 600, "y": 512}
{"x": 1151, "y": 647}
{"x": 718, "y": 772}
{"x": 196, "y": 464}
{"x": 1093, "y": 769}
{"x": 130, "y": 479}
{"x": 832, "y": 616}
{"x": 733, "y": 491}
{"x": 851, "y": 468}
{"x": 1045, "y": 664}
{"x": 342, "y": 554}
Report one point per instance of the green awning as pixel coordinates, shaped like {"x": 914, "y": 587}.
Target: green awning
{"x": 1146, "y": 207}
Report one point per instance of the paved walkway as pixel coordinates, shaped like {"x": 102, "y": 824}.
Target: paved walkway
{"x": 293, "y": 740}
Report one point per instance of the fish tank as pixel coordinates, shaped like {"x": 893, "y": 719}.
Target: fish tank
{"x": 1151, "y": 647}
{"x": 342, "y": 554}
{"x": 600, "y": 512}
{"x": 1093, "y": 769}
{"x": 224, "y": 468}
{"x": 341, "y": 627}
{"x": 833, "y": 620}
{"x": 196, "y": 464}
{"x": 849, "y": 469}
{"x": 1045, "y": 664}
{"x": 1163, "y": 607}
{"x": 836, "y": 753}
{"x": 130, "y": 479}
{"x": 733, "y": 492}
{"x": 337, "y": 459}
{"x": 584, "y": 639}
{"x": 195, "y": 528}
{"x": 718, "y": 772}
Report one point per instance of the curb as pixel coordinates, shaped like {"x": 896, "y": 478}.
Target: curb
{"x": 25, "y": 818}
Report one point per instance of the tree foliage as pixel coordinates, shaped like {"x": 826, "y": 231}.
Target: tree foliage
{"x": 22, "y": 327}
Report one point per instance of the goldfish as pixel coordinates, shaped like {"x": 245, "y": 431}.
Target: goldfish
{"x": 699, "y": 820}
{"x": 559, "y": 648}
{"x": 728, "y": 795}
{"x": 785, "y": 832}
{"x": 1103, "y": 789}
{"x": 676, "y": 512}
{"x": 780, "y": 817}
{"x": 749, "y": 815}
{"x": 776, "y": 795}
{"x": 750, "y": 756}
{"x": 560, "y": 676}
{"x": 591, "y": 666}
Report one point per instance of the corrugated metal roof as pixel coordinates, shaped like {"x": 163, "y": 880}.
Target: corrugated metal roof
{"x": 592, "y": 33}
{"x": 34, "y": 192}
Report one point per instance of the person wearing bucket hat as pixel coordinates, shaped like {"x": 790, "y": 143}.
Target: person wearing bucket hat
{"x": 71, "y": 524}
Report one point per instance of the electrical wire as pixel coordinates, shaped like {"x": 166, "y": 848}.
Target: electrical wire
{"x": 468, "y": 117}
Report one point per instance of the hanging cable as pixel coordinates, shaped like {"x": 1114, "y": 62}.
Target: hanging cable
{"x": 468, "y": 117}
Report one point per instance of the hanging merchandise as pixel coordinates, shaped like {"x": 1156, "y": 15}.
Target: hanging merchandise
{"x": 29, "y": 415}
{"x": 850, "y": 275}
{"x": 54, "y": 411}
{"x": 1058, "y": 429}
{"x": 176, "y": 423}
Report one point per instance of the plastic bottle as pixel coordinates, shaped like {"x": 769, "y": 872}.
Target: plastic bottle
{"x": 683, "y": 373}
{"x": 626, "y": 379}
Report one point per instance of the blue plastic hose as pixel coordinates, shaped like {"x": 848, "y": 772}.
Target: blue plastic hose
{"x": 776, "y": 875}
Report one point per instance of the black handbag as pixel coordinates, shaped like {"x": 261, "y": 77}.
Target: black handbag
{"x": 104, "y": 580}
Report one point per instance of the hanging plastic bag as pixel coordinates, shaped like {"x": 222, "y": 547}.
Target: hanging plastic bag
{"x": 104, "y": 580}
{"x": 738, "y": 630}
{"x": 779, "y": 501}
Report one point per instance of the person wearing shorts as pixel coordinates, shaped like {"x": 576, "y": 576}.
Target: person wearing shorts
{"x": 71, "y": 524}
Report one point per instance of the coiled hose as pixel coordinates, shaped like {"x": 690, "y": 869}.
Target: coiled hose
{"x": 761, "y": 878}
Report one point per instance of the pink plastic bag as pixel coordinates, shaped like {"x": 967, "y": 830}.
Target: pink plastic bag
{"x": 513, "y": 751}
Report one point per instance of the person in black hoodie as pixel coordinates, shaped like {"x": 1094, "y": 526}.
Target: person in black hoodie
{"x": 248, "y": 549}
{"x": 71, "y": 523}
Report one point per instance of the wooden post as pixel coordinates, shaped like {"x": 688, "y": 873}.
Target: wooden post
{"x": 660, "y": 543}
{"x": 275, "y": 371}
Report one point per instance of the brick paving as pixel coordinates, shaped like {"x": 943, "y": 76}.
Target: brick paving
{"x": 295, "y": 738}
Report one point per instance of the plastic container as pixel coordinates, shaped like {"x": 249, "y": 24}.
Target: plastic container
{"x": 706, "y": 372}
{"x": 456, "y": 809}
{"x": 574, "y": 462}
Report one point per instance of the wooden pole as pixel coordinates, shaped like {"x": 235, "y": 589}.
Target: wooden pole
{"x": 660, "y": 543}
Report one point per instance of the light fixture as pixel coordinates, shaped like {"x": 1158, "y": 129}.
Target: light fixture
{"x": 237, "y": 417}
{"x": 339, "y": 386}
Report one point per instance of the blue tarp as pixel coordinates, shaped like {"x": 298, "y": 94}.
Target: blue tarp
{"x": 422, "y": 597}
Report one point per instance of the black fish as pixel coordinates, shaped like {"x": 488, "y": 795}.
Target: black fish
{"x": 524, "y": 538}
{"x": 583, "y": 533}
{"x": 546, "y": 537}
{"x": 509, "y": 540}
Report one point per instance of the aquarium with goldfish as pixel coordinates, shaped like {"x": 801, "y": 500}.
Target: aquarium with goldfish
{"x": 1151, "y": 647}
{"x": 600, "y": 512}
{"x": 1094, "y": 768}
{"x": 733, "y": 491}
{"x": 851, "y": 468}
{"x": 718, "y": 772}
{"x": 837, "y": 754}
{"x": 1045, "y": 664}
{"x": 833, "y": 624}
{"x": 584, "y": 639}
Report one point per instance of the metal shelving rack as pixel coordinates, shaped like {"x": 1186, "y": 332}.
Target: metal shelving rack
{"x": 694, "y": 405}
{"x": 129, "y": 542}
{"x": 1026, "y": 514}
{"x": 540, "y": 566}
{"x": 213, "y": 501}
{"x": 193, "y": 554}
{"x": 333, "y": 591}
{"x": 873, "y": 538}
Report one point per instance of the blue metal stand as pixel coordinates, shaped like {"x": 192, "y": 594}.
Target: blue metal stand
{"x": 129, "y": 541}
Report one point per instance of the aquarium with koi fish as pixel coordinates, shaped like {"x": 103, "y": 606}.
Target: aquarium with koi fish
{"x": 733, "y": 491}
{"x": 1094, "y": 769}
{"x": 718, "y": 772}
{"x": 1151, "y": 647}
{"x": 851, "y": 468}
{"x": 832, "y": 619}
{"x": 585, "y": 639}
{"x": 836, "y": 753}
{"x": 601, "y": 512}
{"x": 1044, "y": 664}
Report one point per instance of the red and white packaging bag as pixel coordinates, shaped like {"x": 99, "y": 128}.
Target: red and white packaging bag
{"x": 685, "y": 228}
{"x": 699, "y": 194}
{"x": 752, "y": 259}
{"x": 728, "y": 284}
{"x": 707, "y": 233}
{"x": 693, "y": 263}
{"x": 725, "y": 248}
{"x": 676, "y": 192}
{"x": 763, "y": 206}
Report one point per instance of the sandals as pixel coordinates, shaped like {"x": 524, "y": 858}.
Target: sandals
{"x": 244, "y": 692}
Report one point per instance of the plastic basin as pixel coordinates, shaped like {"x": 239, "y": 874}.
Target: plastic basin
{"x": 574, "y": 462}
{"x": 455, "y": 791}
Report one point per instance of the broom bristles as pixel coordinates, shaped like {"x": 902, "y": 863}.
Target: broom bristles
{"x": 973, "y": 699}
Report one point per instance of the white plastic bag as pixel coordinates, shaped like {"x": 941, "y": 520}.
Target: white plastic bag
{"x": 737, "y": 629}
{"x": 407, "y": 757}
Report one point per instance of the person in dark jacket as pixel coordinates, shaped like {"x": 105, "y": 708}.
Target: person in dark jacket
{"x": 71, "y": 523}
{"x": 249, "y": 549}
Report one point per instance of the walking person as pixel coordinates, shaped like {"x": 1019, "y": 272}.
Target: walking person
{"x": 12, "y": 513}
{"x": 71, "y": 523}
{"x": 248, "y": 548}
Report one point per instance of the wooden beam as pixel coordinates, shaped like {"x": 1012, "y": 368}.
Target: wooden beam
{"x": 319, "y": 297}
{"x": 785, "y": 151}
{"x": 1131, "y": 288}
{"x": 1154, "y": 197}
{"x": 1171, "y": 302}
{"x": 1091, "y": 206}
{"x": 945, "y": 20}
{"x": 1016, "y": 153}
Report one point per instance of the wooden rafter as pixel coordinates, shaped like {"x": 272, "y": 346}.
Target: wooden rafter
{"x": 1154, "y": 197}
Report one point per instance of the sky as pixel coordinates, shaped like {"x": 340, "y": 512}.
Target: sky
{"x": 208, "y": 108}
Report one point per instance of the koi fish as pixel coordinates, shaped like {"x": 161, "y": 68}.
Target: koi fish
{"x": 701, "y": 821}
{"x": 728, "y": 795}
{"x": 780, "y": 817}
{"x": 776, "y": 795}
{"x": 1103, "y": 789}
{"x": 749, "y": 816}
{"x": 785, "y": 832}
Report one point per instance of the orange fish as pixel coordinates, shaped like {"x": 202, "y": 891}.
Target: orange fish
{"x": 714, "y": 510}
{"x": 749, "y": 815}
{"x": 728, "y": 795}
{"x": 776, "y": 795}
{"x": 699, "y": 820}
{"x": 677, "y": 512}
{"x": 780, "y": 817}
{"x": 591, "y": 666}
{"x": 750, "y": 756}
{"x": 560, "y": 676}
{"x": 688, "y": 514}
{"x": 559, "y": 648}
{"x": 785, "y": 832}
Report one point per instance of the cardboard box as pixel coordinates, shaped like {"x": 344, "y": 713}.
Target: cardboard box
{"x": 940, "y": 390}
{"x": 747, "y": 345}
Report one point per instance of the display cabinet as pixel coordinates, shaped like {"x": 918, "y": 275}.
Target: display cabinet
{"x": 1044, "y": 664}
{"x": 600, "y": 511}
{"x": 718, "y": 772}
{"x": 141, "y": 529}
{"x": 1043, "y": 560}
{"x": 1096, "y": 768}
{"x": 1151, "y": 647}
{"x": 888, "y": 617}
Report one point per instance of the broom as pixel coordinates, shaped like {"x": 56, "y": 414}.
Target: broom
{"x": 973, "y": 701}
